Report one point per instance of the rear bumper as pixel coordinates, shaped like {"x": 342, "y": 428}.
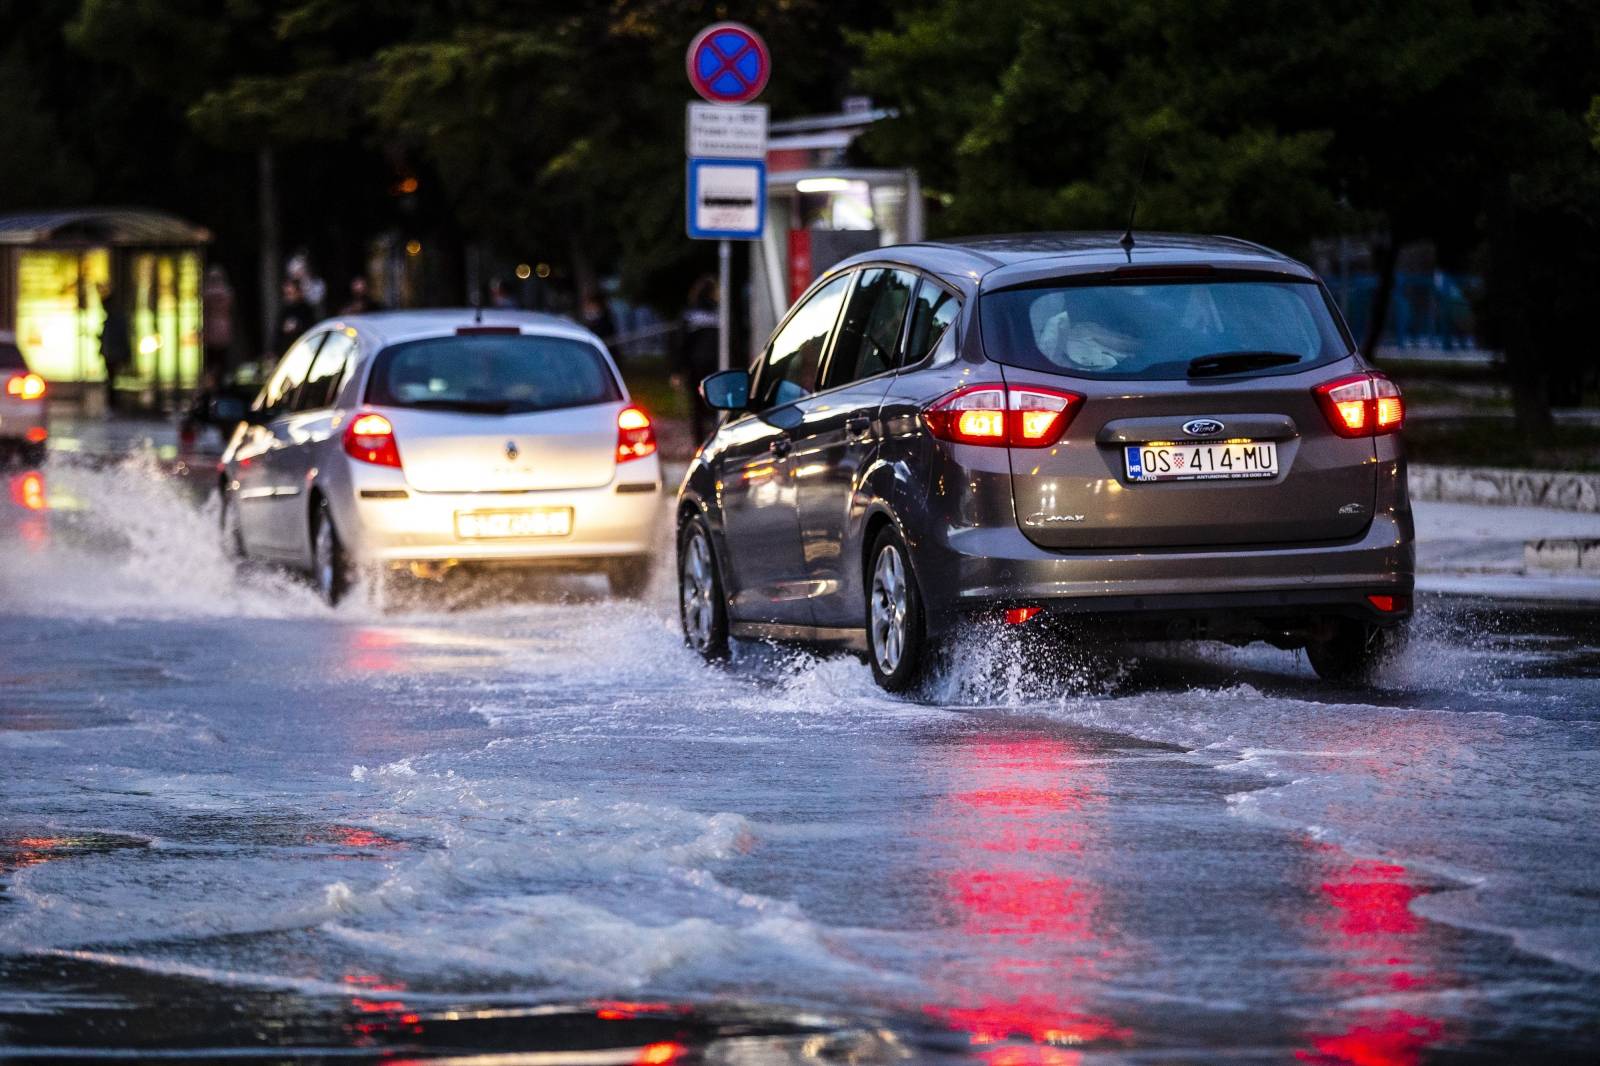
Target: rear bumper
{"x": 607, "y": 522}
{"x": 20, "y": 417}
{"x": 981, "y": 568}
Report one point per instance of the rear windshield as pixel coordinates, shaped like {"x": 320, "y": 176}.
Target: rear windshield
{"x": 1163, "y": 331}
{"x": 491, "y": 374}
{"x": 11, "y": 357}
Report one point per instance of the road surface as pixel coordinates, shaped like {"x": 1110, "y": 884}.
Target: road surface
{"x": 234, "y": 824}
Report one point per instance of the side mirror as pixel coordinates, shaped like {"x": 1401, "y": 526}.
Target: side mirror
{"x": 728, "y": 390}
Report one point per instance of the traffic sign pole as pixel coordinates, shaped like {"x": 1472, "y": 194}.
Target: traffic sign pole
{"x": 724, "y": 304}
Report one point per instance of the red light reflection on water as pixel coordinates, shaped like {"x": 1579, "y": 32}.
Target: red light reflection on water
{"x": 1022, "y": 814}
{"x": 371, "y": 650}
{"x": 1382, "y": 948}
{"x": 382, "y": 1009}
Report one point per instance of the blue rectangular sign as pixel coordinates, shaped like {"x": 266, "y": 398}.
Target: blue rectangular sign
{"x": 727, "y": 199}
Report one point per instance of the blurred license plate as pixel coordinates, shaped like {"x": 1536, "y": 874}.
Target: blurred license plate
{"x": 536, "y": 522}
{"x": 1202, "y": 462}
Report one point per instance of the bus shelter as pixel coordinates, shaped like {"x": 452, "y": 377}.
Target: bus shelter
{"x": 63, "y": 273}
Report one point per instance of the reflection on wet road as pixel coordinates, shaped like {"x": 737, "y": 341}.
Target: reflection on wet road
{"x": 232, "y": 822}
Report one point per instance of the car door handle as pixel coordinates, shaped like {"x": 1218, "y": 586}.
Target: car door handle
{"x": 858, "y": 426}
{"x": 782, "y": 446}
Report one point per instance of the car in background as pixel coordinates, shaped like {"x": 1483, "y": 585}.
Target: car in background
{"x": 24, "y": 424}
{"x": 432, "y": 440}
{"x": 1169, "y": 437}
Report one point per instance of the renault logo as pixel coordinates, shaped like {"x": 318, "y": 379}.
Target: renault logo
{"x": 1204, "y": 427}
{"x": 511, "y": 450}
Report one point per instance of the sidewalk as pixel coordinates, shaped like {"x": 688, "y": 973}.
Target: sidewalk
{"x": 1518, "y": 553}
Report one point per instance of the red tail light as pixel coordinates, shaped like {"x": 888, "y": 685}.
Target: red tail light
{"x": 1362, "y": 405}
{"x": 27, "y": 492}
{"x": 1023, "y": 416}
{"x": 370, "y": 438}
{"x": 25, "y": 386}
{"x": 636, "y": 435}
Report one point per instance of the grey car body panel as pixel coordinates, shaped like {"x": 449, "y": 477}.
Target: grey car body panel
{"x": 1336, "y": 530}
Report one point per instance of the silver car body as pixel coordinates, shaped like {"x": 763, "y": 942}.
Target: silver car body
{"x": 22, "y": 421}
{"x": 277, "y": 470}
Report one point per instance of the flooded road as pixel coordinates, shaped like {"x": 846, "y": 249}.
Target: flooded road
{"x": 234, "y": 824}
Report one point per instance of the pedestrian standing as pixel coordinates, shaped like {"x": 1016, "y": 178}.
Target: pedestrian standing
{"x": 695, "y": 354}
{"x": 116, "y": 348}
{"x": 216, "y": 304}
{"x": 597, "y": 316}
{"x": 361, "y": 301}
{"x": 295, "y": 317}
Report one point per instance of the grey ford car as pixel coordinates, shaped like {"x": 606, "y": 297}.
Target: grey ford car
{"x": 1173, "y": 437}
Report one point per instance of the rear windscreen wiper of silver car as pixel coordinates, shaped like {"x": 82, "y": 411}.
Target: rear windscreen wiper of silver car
{"x": 1219, "y": 363}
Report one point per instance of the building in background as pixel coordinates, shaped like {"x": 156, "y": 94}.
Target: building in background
{"x": 60, "y": 271}
{"x": 820, "y": 209}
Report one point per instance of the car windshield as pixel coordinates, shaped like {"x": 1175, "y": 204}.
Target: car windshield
{"x": 1164, "y": 331}
{"x": 492, "y": 374}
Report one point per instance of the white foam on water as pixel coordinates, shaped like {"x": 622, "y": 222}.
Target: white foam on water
{"x": 126, "y": 540}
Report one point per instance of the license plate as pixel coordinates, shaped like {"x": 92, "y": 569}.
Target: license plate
{"x": 537, "y": 522}
{"x": 1202, "y": 462}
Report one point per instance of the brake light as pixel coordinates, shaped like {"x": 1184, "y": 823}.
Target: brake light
{"x": 27, "y": 492}
{"x": 36, "y": 435}
{"x": 1362, "y": 405}
{"x": 370, "y": 438}
{"x": 1023, "y": 416}
{"x": 636, "y": 435}
{"x": 25, "y": 386}
{"x": 1017, "y": 616}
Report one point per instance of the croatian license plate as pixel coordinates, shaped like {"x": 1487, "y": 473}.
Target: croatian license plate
{"x": 1202, "y": 462}
{"x": 535, "y": 522}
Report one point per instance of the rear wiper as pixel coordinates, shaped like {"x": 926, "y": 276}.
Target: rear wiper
{"x": 1219, "y": 363}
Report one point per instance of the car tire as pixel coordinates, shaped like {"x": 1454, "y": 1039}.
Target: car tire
{"x": 35, "y": 454}
{"x": 228, "y": 530}
{"x": 629, "y": 578}
{"x": 898, "y": 647}
{"x": 1351, "y": 653}
{"x": 702, "y": 605}
{"x": 330, "y": 567}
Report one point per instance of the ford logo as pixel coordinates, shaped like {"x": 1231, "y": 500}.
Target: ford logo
{"x": 1203, "y": 427}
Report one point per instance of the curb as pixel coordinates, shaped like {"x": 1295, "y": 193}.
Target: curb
{"x": 1557, "y": 489}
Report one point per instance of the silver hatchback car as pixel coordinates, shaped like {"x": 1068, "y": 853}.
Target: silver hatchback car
{"x": 428, "y": 440}
{"x": 1173, "y": 439}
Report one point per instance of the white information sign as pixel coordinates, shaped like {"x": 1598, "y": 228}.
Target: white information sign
{"x": 717, "y": 131}
{"x": 727, "y": 198}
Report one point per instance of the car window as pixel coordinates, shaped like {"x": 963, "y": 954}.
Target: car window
{"x": 869, "y": 333}
{"x": 1163, "y": 331}
{"x": 789, "y": 372}
{"x": 11, "y": 357}
{"x": 931, "y": 314}
{"x": 492, "y": 373}
{"x": 290, "y": 375}
{"x": 327, "y": 371}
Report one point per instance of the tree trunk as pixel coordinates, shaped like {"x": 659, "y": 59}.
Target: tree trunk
{"x": 1382, "y": 297}
{"x": 269, "y": 263}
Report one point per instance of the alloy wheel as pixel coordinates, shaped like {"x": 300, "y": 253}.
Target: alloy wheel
{"x": 890, "y": 606}
{"x": 696, "y": 592}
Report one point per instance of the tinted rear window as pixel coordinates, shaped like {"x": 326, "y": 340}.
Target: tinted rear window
{"x": 491, "y": 374}
{"x": 11, "y": 357}
{"x": 1163, "y": 331}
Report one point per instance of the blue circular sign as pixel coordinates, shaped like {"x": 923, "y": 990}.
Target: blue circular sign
{"x": 728, "y": 63}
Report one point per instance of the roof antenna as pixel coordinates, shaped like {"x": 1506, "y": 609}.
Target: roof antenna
{"x": 477, "y": 285}
{"x": 1127, "y": 235}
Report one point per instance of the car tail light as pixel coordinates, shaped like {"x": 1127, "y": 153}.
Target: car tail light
{"x": 1023, "y": 416}
{"x": 27, "y": 492}
{"x": 1362, "y": 405}
{"x": 36, "y": 435}
{"x": 370, "y": 438}
{"x": 636, "y": 435}
{"x": 25, "y": 386}
{"x": 1017, "y": 616}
